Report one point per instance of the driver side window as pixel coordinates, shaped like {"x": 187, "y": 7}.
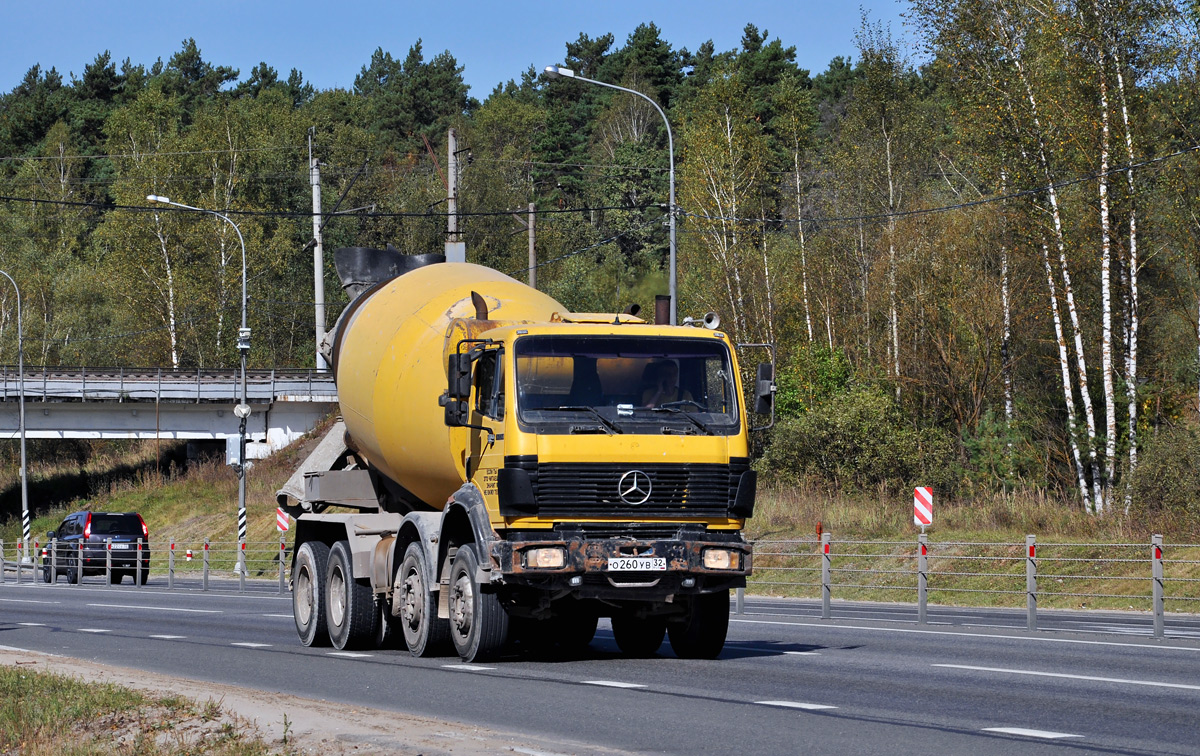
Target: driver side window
{"x": 489, "y": 386}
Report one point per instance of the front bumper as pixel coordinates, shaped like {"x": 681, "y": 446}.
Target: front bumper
{"x": 585, "y": 572}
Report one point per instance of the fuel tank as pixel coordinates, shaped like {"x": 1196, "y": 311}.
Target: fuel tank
{"x": 389, "y": 353}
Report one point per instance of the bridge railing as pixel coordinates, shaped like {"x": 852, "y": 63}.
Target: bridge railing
{"x": 163, "y": 384}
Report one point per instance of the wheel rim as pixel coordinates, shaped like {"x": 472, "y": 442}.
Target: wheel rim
{"x": 413, "y": 604}
{"x": 304, "y": 595}
{"x": 462, "y": 603}
{"x": 337, "y": 596}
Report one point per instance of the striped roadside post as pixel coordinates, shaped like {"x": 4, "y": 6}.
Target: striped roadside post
{"x": 26, "y": 531}
{"x": 923, "y": 506}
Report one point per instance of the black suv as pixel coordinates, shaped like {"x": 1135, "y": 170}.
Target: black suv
{"x": 93, "y": 530}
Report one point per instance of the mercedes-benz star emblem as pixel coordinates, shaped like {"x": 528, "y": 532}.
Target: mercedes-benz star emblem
{"x": 634, "y": 487}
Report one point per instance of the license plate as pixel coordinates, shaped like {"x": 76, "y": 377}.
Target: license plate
{"x": 121, "y": 546}
{"x": 637, "y": 564}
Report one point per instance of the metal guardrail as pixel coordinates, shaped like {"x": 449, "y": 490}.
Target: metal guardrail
{"x": 122, "y": 384}
{"x": 186, "y": 566}
{"x": 1140, "y": 573}
{"x": 1150, "y": 575}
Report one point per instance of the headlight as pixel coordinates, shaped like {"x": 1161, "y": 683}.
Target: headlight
{"x": 721, "y": 559}
{"x": 551, "y": 558}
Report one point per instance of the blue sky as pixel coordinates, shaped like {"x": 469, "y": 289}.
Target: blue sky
{"x": 331, "y": 41}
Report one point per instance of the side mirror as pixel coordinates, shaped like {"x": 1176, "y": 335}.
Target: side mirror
{"x": 764, "y": 389}
{"x": 51, "y": 535}
{"x": 458, "y": 375}
{"x": 456, "y": 411}
{"x": 458, "y": 389}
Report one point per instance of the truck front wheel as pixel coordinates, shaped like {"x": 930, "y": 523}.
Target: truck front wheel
{"x": 350, "y": 611}
{"x": 478, "y": 622}
{"x": 701, "y": 633}
{"x": 424, "y": 633}
{"x": 308, "y": 593}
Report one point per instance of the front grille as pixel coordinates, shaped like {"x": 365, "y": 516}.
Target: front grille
{"x": 592, "y": 490}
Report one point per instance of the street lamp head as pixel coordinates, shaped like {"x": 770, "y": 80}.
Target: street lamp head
{"x": 157, "y": 198}
{"x": 554, "y": 72}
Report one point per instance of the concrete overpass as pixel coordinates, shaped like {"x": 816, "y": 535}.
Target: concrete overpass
{"x": 150, "y": 403}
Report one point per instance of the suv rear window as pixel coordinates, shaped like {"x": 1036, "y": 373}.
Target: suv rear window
{"x": 116, "y": 524}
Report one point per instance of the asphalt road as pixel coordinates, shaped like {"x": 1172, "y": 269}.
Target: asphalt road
{"x": 868, "y": 681}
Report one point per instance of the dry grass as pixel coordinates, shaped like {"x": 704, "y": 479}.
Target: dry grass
{"x": 48, "y": 714}
{"x": 976, "y": 554}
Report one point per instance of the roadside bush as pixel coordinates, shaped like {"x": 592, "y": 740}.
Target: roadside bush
{"x": 860, "y": 440}
{"x": 1168, "y": 473}
{"x": 811, "y": 377}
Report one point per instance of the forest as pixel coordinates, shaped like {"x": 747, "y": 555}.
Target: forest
{"x": 977, "y": 256}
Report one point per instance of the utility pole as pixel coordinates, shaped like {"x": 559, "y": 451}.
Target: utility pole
{"x": 456, "y": 249}
{"x": 314, "y": 172}
{"x": 532, "y": 253}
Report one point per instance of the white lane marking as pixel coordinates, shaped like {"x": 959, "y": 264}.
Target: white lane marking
{"x": 467, "y": 667}
{"x": 612, "y": 684}
{"x": 169, "y": 637}
{"x": 802, "y": 653}
{"x": 1030, "y": 733}
{"x": 531, "y": 752}
{"x": 252, "y": 645}
{"x": 281, "y": 616}
{"x": 92, "y": 630}
{"x": 795, "y": 705}
{"x": 157, "y": 608}
{"x": 349, "y": 654}
{"x": 1089, "y": 678}
{"x": 1032, "y": 638}
{"x": 31, "y": 624}
{"x": 28, "y": 601}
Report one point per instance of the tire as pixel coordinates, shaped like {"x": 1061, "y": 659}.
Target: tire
{"x": 701, "y": 634}
{"x": 478, "y": 622}
{"x": 308, "y": 593}
{"x": 350, "y": 612}
{"x": 574, "y": 632}
{"x": 142, "y": 575}
{"x": 73, "y": 575}
{"x": 48, "y": 575}
{"x": 638, "y": 637}
{"x": 424, "y": 634}
{"x": 115, "y": 577}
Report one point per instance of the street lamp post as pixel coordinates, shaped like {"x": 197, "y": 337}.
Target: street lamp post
{"x": 25, "y": 535}
{"x": 557, "y": 71}
{"x": 243, "y": 344}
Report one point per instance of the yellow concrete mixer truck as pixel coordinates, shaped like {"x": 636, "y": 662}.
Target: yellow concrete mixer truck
{"x": 504, "y": 469}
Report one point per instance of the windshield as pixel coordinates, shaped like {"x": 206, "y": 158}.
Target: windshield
{"x": 625, "y": 384}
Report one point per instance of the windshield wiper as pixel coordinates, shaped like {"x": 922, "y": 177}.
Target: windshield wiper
{"x": 674, "y": 408}
{"x": 609, "y": 426}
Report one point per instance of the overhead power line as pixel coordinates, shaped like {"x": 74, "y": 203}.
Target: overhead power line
{"x": 588, "y": 248}
{"x": 958, "y": 205}
{"x": 309, "y": 213}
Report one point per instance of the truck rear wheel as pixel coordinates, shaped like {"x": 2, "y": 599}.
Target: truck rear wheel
{"x": 350, "y": 612}
{"x": 576, "y": 629}
{"x": 701, "y": 634}
{"x": 478, "y": 622}
{"x": 424, "y": 633}
{"x": 638, "y": 637}
{"x": 308, "y": 593}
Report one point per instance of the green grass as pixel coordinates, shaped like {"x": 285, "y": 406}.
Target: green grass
{"x": 47, "y": 714}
